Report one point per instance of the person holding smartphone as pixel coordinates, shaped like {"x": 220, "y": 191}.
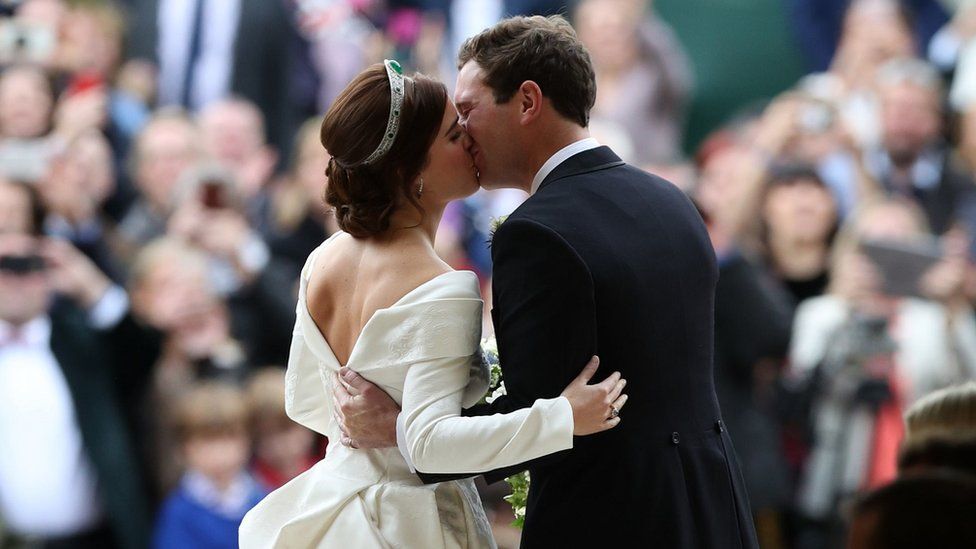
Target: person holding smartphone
{"x": 868, "y": 355}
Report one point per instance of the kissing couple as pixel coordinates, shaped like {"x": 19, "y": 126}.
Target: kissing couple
{"x": 602, "y": 259}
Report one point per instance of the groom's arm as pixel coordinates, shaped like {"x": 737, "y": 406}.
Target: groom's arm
{"x": 545, "y": 322}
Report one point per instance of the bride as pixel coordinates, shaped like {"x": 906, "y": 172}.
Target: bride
{"x": 376, "y": 298}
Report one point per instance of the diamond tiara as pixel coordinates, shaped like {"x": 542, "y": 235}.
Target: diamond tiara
{"x": 395, "y": 73}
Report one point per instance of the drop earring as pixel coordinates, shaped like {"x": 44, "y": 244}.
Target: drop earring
{"x": 420, "y": 189}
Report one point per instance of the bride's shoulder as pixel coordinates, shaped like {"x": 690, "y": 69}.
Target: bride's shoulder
{"x": 429, "y": 282}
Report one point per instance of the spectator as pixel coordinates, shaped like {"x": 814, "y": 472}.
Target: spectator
{"x": 171, "y": 290}
{"x": 940, "y": 431}
{"x": 819, "y": 24}
{"x": 232, "y": 131}
{"x": 26, "y": 104}
{"x": 642, "y": 73}
{"x": 912, "y": 160}
{"x": 869, "y": 355}
{"x": 71, "y": 371}
{"x": 165, "y": 149}
{"x": 206, "y": 51}
{"x": 283, "y": 449}
{"x": 799, "y": 220}
{"x": 75, "y": 190}
{"x": 752, "y": 331}
{"x": 930, "y": 510}
{"x": 210, "y": 215}
{"x": 216, "y": 491}
{"x": 300, "y": 218}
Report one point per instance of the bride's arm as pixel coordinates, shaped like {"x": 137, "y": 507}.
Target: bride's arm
{"x": 438, "y": 439}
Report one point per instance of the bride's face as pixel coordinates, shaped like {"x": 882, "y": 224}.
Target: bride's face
{"x": 450, "y": 173}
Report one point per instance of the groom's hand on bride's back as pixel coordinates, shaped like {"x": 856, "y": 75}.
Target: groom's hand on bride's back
{"x": 365, "y": 414}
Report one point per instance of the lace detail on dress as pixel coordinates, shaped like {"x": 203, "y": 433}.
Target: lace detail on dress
{"x": 415, "y": 341}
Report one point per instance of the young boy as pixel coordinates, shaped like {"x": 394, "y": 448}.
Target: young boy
{"x": 216, "y": 491}
{"x": 283, "y": 449}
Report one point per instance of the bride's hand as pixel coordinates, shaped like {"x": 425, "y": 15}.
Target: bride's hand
{"x": 595, "y": 407}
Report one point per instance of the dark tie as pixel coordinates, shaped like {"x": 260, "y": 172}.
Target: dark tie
{"x": 196, "y": 38}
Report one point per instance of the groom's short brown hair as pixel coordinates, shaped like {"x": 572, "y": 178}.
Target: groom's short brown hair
{"x": 544, "y": 50}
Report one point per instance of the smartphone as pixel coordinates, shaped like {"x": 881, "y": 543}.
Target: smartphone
{"x": 902, "y": 265}
{"x": 25, "y": 160}
{"x": 213, "y": 195}
{"x": 22, "y": 264}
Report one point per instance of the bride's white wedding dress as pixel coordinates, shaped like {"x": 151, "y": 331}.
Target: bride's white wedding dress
{"x": 423, "y": 351}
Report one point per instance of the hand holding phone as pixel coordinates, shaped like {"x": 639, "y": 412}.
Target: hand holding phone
{"x": 213, "y": 195}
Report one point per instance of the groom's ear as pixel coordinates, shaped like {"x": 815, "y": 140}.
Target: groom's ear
{"x": 530, "y": 98}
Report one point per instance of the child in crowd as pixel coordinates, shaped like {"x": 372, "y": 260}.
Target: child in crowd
{"x": 216, "y": 490}
{"x": 283, "y": 449}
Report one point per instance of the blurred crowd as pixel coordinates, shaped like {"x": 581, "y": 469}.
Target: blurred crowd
{"x": 161, "y": 183}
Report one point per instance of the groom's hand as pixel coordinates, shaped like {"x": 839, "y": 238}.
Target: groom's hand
{"x": 365, "y": 414}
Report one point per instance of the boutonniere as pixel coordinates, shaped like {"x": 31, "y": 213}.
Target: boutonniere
{"x": 495, "y": 223}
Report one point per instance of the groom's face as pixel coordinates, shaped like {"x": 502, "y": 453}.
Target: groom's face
{"x": 493, "y": 128}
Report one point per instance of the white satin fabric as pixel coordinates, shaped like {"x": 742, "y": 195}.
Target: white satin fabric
{"x": 424, "y": 352}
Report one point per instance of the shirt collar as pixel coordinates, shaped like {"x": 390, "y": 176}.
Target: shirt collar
{"x": 561, "y": 156}
{"x": 231, "y": 502}
{"x": 36, "y": 333}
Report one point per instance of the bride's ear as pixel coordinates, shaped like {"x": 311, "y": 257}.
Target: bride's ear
{"x": 530, "y": 99}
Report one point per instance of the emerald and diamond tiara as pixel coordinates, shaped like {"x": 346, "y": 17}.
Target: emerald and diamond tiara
{"x": 395, "y": 73}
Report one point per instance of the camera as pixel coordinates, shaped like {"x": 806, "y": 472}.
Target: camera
{"x": 213, "y": 187}
{"x": 213, "y": 194}
{"x": 22, "y": 264}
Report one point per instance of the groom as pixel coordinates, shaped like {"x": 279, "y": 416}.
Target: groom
{"x": 601, "y": 259}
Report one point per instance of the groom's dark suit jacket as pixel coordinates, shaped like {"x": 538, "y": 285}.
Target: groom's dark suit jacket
{"x": 606, "y": 259}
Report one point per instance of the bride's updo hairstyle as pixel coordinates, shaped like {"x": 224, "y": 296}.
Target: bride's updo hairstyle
{"x": 365, "y": 194}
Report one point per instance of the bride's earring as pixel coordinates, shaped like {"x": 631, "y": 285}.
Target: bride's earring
{"x": 420, "y": 189}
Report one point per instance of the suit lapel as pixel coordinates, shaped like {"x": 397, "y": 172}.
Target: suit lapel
{"x": 588, "y": 161}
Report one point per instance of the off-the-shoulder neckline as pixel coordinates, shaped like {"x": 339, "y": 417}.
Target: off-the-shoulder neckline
{"x": 303, "y": 298}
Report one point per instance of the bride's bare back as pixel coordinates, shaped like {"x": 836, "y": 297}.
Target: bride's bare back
{"x": 357, "y": 277}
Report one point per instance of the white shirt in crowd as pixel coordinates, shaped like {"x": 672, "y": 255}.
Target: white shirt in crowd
{"x": 47, "y": 483}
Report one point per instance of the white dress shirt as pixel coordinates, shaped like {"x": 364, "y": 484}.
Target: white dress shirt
{"x": 561, "y": 156}
{"x": 47, "y": 484}
{"x": 213, "y": 71}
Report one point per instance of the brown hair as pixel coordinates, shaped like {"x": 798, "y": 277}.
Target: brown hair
{"x": 365, "y": 196}
{"x": 544, "y": 50}
{"x": 210, "y": 409}
{"x": 266, "y": 397}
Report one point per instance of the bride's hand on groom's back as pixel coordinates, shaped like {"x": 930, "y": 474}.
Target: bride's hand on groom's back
{"x": 596, "y": 407}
